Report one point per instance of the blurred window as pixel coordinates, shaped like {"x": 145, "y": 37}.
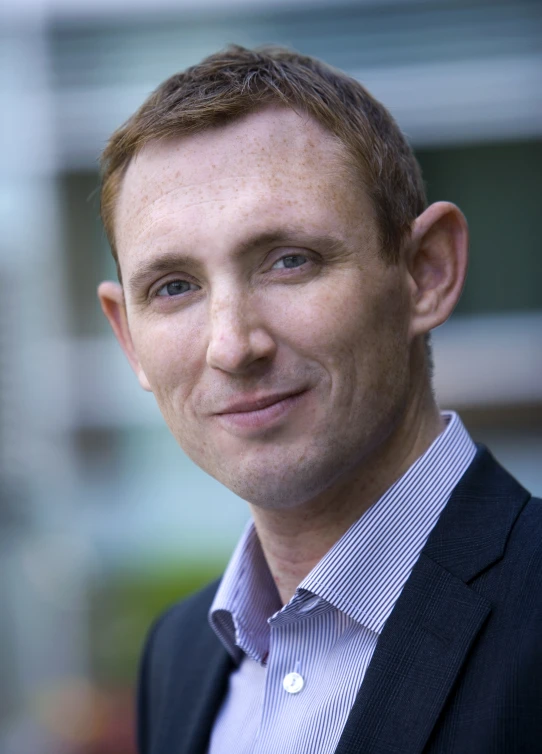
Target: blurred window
{"x": 498, "y": 187}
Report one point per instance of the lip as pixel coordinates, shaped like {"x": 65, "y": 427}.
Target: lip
{"x": 261, "y": 413}
{"x": 255, "y": 404}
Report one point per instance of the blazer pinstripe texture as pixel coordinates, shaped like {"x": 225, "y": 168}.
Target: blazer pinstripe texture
{"x": 457, "y": 668}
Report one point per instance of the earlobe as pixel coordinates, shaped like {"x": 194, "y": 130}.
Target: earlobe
{"x": 111, "y": 296}
{"x": 437, "y": 265}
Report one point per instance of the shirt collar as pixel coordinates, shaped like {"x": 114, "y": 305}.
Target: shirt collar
{"x": 246, "y": 598}
{"x": 364, "y": 573}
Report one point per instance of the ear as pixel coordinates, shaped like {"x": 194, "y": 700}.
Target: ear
{"x": 112, "y": 301}
{"x": 437, "y": 265}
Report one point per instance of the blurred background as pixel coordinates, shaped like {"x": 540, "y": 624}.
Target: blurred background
{"x": 103, "y": 520}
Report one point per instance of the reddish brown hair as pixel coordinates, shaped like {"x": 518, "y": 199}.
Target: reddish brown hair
{"x": 237, "y": 81}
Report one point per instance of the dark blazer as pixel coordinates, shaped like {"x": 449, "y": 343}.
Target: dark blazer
{"x": 457, "y": 668}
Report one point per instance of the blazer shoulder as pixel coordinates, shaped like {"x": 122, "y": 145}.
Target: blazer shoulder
{"x": 527, "y": 532}
{"x": 515, "y": 584}
{"x": 533, "y": 510}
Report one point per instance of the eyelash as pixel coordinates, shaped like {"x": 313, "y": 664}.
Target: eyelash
{"x": 182, "y": 280}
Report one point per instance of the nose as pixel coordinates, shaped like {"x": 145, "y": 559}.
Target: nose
{"x": 238, "y": 339}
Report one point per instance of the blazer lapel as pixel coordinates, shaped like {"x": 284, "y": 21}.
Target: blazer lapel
{"x": 436, "y": 619}
{"x": 415, "y": 663}
{"x": 198, "y": 684}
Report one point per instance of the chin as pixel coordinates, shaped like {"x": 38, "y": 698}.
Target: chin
{"x": 282, "y": 484}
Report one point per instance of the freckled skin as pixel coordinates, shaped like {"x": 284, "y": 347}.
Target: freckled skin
{"x": 339, "y": 327}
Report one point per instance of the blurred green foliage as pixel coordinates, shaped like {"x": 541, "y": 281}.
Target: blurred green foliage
{"x": 125, "y": 604}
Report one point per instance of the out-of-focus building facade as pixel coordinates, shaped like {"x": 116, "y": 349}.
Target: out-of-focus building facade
{"x": 91, "y": 483}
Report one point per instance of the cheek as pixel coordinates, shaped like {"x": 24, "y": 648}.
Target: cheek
{"x": 313, "y": 317}
{"x": 169, "y": 351}
{"x": 359, "y": 333}
{"x": 330, "y": 322}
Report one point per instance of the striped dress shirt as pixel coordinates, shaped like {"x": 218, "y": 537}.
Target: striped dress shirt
{"x": 300, "y": 666}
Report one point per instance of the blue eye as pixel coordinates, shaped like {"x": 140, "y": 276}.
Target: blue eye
{"x": 175, "y": 288}
{"x": 291, "y": 261}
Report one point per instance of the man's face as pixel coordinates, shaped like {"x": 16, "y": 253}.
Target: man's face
{"x": 252, "y": 275}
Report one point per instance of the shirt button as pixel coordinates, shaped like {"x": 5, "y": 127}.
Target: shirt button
{"x": 293, "y": 683}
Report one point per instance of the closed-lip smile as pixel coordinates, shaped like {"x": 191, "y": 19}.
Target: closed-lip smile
{"x": 251, "y": 415}
{"x": 256, "y": 404}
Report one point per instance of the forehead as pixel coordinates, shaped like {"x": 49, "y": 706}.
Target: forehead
{"x": 273, "y": 161}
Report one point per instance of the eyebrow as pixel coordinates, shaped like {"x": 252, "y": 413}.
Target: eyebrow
{"x": 171, "y": 260}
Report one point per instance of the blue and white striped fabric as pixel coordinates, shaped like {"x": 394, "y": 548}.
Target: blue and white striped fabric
{"x": 328, "y": 631}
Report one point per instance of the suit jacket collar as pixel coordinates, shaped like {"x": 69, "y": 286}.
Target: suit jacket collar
{"x": 437, "y": 617}
{"x": 472, "y": 531}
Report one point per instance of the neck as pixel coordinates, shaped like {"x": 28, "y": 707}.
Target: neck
{"x": 295, "y": 540}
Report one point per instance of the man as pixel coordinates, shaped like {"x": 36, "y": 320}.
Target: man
{"x": 279, "y": 275}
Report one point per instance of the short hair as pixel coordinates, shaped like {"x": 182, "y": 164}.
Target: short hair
{"x": 237, "y": 81}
